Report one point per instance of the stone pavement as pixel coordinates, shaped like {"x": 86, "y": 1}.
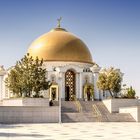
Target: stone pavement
{"x": 71, "y": 131}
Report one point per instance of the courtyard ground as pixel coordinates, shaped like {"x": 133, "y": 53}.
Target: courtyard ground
{"x": 71, "y": 131}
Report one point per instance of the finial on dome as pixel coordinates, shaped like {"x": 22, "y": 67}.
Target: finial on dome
{"x": 58, "y": 22}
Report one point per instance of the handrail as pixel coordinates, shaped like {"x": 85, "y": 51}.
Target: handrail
{"x": 77, "y": 103}
{"x": 97, "y": 112}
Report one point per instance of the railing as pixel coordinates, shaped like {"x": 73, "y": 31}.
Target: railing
{"x": 77, "y": 103}
{"x": 97, "y": 113}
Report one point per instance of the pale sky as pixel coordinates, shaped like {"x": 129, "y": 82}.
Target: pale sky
{"x": 111, "y": 30}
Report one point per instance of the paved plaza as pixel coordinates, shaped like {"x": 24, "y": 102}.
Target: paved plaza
{"x": 71, "y": 131}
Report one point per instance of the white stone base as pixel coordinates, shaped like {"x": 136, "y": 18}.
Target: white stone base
{"x": 29, "y": 114}
{"x": 134, "y": 111}
{"x": 113, "y": 105}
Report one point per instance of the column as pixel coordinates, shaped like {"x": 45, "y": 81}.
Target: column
{"x": 63, "y": 85}
{"x": 80, "y": 86}
{"x": 77, "y": 85}
{"x": 96, "y": 91}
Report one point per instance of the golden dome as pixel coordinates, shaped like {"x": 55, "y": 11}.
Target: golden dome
{"x": 60, "y": 45}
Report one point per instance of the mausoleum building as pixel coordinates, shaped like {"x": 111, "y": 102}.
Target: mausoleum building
{"x": 69, "y": 64}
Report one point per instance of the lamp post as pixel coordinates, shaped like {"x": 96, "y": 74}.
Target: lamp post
{"x": 60, "y": 108}
{"x": 59, "y": 77}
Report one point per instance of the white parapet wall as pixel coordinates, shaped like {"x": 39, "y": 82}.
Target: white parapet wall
{"x": 113, "y": 105}
{"x": 108, "y": 104}
{"x": 29, "y": 114}
{"x": 134, "y": 111}
{"x": 26, "y": 102}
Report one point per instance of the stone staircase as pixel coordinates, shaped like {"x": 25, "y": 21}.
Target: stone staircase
{"x": 68, "y": 106}
{"x": 92, "y": 111}
{"x": 106, "y": 116}
{"x": 86, "y": 106}
{"x": 70, "y": 113}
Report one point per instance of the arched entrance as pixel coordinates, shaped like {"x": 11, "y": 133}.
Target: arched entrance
{"x": 69, "y": 85}
{"x": 88, "y": 91}
{"x": 54, "y": 92}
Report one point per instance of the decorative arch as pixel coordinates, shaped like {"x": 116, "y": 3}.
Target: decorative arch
{"x": 88, "y": 91}
{"x": 54, "y": 94}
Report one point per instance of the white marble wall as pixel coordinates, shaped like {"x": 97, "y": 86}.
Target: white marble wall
{"x": 58, "y": 69}
{"x": 59, "y": 74}
{"x": 29, "y": 114}
{"x": 113, "y": 105}
{"x": 96, "y": 94}
{"x": 134, "y": 111}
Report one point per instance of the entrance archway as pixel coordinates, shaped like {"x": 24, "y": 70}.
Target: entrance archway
{"x": 54, "y": 92}
{"x": 88, "y": 91}
{"x": 69, "y": 85}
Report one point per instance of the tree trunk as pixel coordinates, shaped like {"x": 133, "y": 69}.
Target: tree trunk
{"x": 20, "y": 92}
{"x": 37, "y": 94}
{"x": 29, "y": 93}
{"x": 103, "y": 93}
{"x": 111, "y": 93}
{"x": 115, "y": 95}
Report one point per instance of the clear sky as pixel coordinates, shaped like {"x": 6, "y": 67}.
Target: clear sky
{"x": 110, "y": 28}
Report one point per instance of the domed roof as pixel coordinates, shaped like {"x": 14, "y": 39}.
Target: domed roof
{"x": 60, "y": 45}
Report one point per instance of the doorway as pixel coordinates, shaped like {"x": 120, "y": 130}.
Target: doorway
{"x": 69, "y": 85}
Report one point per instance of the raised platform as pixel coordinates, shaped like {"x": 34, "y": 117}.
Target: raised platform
{"x": 26, "y": 102}
{"x": 29, "y": 114}
{"x": 113, "y": 105}
{"x": 134, "y": 111}
{"x": 28, "y": 110}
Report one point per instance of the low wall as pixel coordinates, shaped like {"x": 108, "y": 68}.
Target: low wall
{"x": 29, "y": 114}
{"x": 113, "y": 105}
{"x": 134, "y": 111}
{"x": 26, "y": 102}
{"x": 107, "y": 103}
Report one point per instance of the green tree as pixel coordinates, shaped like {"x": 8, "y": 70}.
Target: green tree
{"x": 27, "y": 77}
{"x": 131, "y": 92}
{"x": 12, "y": 82}
{"x": 39, "y": 77}
{"x": 110, "y": 80}
{"x": 101, "y": 83}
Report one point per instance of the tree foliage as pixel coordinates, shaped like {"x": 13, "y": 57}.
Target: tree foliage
{"x": 101, "y": 83}
{"x": 27, "y": 77}
{"x": 131, "y": 92}
{"x": 13, "y": 83}
{"x": 128, "y": 92}
{"x": 110, "y": 80}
